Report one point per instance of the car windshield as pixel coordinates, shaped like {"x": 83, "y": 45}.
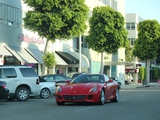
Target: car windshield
{"x": 89, "y": 79}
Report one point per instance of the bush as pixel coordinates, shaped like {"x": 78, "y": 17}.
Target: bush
{"x": 141, "y": 73}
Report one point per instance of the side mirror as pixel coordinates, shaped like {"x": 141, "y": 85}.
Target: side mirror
{"x": 110, "y": 80}
{"x": 67, "y": 81}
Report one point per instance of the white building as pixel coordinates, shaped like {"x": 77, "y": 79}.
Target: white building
{"x": 25, "y": 47}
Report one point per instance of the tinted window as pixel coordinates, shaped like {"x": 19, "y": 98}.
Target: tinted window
{"x": 49, "y": 78}
{"x": 58, "y": 78}
{"x": 8, "y": 73}
{"x": 106, "y": 78}
{"x": 28, "y": 72}
{"x": 42, "y": 79}
{"x": 89, "y": 78}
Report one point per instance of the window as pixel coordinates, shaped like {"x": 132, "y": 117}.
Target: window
{"x": 130, "y": 26}
{"x": 8, "y": 73}
{"x": 10, "y": 14}
{"x": 28, "y": 72}
{"x": 59, "y": 78}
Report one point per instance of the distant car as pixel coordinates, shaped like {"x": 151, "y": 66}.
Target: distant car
{"x": 116, "y": 79}
{"x": 56, "y": 78}
{"x": 47, "y": 88}
{"x": 92, "y": 88}
{"x": 72, "y": 75}
{"x": 4, "y": 91}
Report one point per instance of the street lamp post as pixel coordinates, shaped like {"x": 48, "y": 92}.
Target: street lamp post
{"x": 80, "y": 59}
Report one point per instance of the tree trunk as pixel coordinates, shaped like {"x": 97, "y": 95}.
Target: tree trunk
{"x": 148, "y": 72}
{"x": 45, "y": 50}
{"x": 102, "y": 61}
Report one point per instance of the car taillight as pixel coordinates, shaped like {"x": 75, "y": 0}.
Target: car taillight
{"x": 37, "y": 82}
{"x": 4, "y": 85}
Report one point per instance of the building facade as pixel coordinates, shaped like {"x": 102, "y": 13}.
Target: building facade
{"x": 24, "y": 47}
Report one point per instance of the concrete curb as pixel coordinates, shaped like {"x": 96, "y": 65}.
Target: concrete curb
{"x": 138, "y": 86}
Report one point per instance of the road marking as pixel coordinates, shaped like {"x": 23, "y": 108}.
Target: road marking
{"x": 83, "y": 109}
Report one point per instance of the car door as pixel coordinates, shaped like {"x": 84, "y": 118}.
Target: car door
{"x": 109, "y": 88}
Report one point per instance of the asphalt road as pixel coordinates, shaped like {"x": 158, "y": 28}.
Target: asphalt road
{"x": 134, "y": 104}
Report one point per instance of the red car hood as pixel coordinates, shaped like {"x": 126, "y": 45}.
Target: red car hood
{"x": 80, "y": 88}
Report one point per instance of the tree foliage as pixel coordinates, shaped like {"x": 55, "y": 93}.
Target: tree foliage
{"x": 107, "y": 32}
{"x": 56, "y": 19}
{"x": 141, "y": 73}
{"x": 49, "y": 60}
{"x": 128, "y": 52}
{"x": 145, "y": 46}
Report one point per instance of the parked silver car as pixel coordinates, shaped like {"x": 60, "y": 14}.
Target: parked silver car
{"x": 47, "y": 88}
{"x": 47, "y": 83}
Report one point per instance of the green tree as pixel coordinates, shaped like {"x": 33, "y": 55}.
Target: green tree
{"x": 107, "y": 32}
{"x": 49, "y": 60}
{"x": 145, "y": 46}
{"x": 56, "y": 19}
{"x": 128, "y": 52}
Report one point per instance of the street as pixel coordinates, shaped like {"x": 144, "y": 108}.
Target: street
{"x": 134, "y": 104}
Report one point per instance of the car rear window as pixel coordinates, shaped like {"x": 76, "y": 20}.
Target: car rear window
{"x": 8, "y": 73}
{"x": 28, "y": 72}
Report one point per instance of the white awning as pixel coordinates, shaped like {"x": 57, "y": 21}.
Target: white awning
{"x": 4, "y": 51}
{"x": 36, "y": 53}
{"x": 84, "y": 59}
{"x": 59, "y": 60}
{"x": 21, "y": 54}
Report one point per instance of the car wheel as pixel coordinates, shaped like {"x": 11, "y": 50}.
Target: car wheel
{"x": 102, "y": 98}
{"x": 116, "y": 96}
{"x": 60, "y": 103}
{"x": 45, "y": 93}
{"x": 22, "y": 94}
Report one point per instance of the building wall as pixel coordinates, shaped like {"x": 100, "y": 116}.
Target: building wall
{"x": 16, "y": 35}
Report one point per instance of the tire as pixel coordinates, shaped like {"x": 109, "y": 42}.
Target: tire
{"x": 102, "y": 98}
{"x": 60, "y": 103}
{"x": 116, "y": 99}
{"x": 22, "y": 94}
{"x": 45, "y": 93}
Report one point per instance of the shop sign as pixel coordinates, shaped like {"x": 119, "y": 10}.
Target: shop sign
{"x": 29, "y": 64}
{"x": 26, "y": 38}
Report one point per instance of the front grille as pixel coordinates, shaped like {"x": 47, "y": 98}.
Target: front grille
{"x": 74, "y": 97}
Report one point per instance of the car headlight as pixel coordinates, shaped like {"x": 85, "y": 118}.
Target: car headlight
{"x": 93, "y": 89}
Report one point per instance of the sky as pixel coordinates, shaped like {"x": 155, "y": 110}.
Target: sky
{"x": 147, "y": 9}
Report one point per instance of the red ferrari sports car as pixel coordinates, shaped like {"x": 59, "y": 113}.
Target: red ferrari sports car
{"x": 93, "y": 88}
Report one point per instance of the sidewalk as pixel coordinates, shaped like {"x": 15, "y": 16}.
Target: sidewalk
{"x": 138, "y": 85}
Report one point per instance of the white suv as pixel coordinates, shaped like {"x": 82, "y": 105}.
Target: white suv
{"x": 22, "y": 81}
